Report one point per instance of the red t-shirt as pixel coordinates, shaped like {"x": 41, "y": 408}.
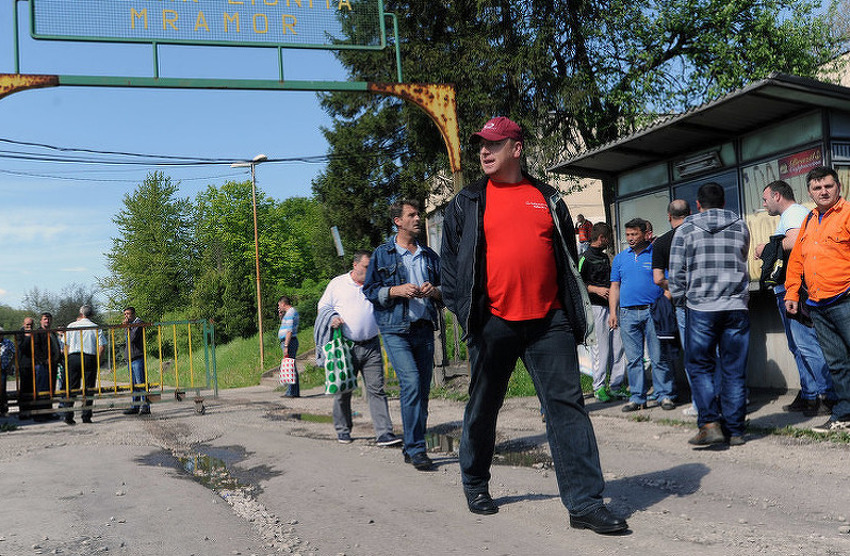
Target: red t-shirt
{"x": 522, "y": 278}
{"x": 583, "y": 230}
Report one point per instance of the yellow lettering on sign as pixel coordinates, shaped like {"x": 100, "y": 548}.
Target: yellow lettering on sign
{"x": 345, "y": 3}
{"x": 234, "y": 18}
{"x": 201, "y": 22}
{"x": 142, "y": 15}
{"x": 265, "y": 21}
{"x": 297, "y": 2}
{"x": 235, "y": 2}
{"x": 290, "y": 26}
{"x": 169, "y": 17}
{"x": 270, "y": 2}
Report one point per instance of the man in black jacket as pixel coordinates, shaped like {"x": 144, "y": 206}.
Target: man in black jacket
{"x": 508, "y": 273}
{"x": 595, "y": 269}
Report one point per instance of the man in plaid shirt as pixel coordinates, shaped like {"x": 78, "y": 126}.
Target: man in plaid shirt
{"x": 708, "y": 270}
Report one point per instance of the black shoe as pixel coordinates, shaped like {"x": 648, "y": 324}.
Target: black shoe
{"x": 815, "y": 407}
{"x": 70, "y": 421}
{"x": 708, "y": 435}
{"x": 131, "y": 411}
{"x": 632, "y": 406}
{"x": 86, "y": 419}
{"x": 420, "y": 461}
{"x": 145, "y": 411}
{"x": 481, "y": 503}
{"x": 600, "y": 520}
{"x": 799, "y": 404}
{"x": 826, "y": 403}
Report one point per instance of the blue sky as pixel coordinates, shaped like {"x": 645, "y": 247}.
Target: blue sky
{"x": 53, "y": 232}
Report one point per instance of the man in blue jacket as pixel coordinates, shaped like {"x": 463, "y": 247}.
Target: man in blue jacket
{"x": 509, "y": 275}
{"x": 402, "y": 282}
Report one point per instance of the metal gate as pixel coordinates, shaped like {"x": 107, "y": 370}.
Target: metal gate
{"x": 40, "y": 376}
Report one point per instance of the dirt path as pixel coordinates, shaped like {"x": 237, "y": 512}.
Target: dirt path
{"x": 119, "y": 486}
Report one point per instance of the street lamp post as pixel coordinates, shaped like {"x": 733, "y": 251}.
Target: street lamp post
{"x": 252, "y": 164}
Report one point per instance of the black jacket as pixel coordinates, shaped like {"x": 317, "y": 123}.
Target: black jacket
{"x": 463, "y": 270}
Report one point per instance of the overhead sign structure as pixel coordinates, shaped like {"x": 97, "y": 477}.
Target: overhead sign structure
{"x": 322, "y": 24}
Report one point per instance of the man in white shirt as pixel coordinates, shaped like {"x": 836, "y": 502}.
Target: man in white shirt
{"x": 344, "y": 306}
{"x": 84, "y": 348}
{"x": 816, "y": 394}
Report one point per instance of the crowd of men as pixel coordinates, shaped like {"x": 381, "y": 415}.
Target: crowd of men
{"x": 510, "y": 271}
{"x": 521, "y": 289}
{"x": 688, "y": 290}
{"x": 60, "y": 364}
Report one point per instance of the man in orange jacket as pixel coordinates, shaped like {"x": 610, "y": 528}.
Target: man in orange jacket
{"x": 821, "y": 258}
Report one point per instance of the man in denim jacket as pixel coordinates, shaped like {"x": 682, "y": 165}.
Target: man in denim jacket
{"x": 402, "y": 282}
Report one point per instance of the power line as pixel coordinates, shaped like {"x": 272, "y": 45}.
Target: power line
{"x": 112, "y": 180}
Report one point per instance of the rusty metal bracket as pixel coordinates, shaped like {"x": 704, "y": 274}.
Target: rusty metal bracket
{"x": 14, "y": 82}
{"x": 439, "y": 101}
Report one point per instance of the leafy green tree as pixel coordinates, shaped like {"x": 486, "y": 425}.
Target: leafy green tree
{"x": 11, "y": 318}
{"x": 150, "y": 262}
{"x": 575, "y": 74}
{"x": 225, "y": 285}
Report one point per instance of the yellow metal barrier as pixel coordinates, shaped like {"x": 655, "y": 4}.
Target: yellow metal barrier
{"x": 42, "y": 377}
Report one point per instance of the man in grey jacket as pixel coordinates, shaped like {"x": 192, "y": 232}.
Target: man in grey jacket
{"x": 708, "y": 270}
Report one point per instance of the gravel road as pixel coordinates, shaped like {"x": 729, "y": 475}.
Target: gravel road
{"x": 252, "y": 477}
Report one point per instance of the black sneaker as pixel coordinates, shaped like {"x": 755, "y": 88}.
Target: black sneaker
{"x": 833, "y": 426}
{"x": 632, "y": 406}
{"x": 388, "y": 439}
{"x": 344, "y": 438}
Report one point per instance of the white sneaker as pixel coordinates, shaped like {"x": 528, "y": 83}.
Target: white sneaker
{"x": 833, "y": 426}
{"x": 691, "y": 411}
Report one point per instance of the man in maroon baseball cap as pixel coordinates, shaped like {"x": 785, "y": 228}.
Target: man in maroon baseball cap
{"x": 521, "y": 297}
{"x": 497, "y": 129}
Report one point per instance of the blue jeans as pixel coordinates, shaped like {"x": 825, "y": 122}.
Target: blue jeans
{"x": 803, "y": 342}
{"x": 724, "y": 335}
{"x": 832, "y": 323}
{"x": 636, "y": 327}
{"x": 139, "y": 379}
{"x": 681, "y": 322}
{"x": 293, "y": 390}
{"x": 412, "y": 358}
{"x": 548, "y": 350}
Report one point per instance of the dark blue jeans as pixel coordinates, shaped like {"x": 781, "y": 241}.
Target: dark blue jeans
{"x": 724, "y": 335}
{"x": 637, "y": 328}
{"x": 139, "y": 380}
{"x": 412, "y": 357}
{"x": 804, "y": 346}
{"x": 832, "y": 324}
{"x": 548, "y": 350}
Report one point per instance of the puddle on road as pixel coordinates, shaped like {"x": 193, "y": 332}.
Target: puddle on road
{"x": 310, "y": 417}
{"x": 210, "y": 472}
{"x": 305, "y": 417}
{"x": 510, "y": 454}
{"x": 209, "y": 466}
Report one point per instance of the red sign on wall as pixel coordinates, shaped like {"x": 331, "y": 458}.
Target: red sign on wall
{"x": 800, "y": 163}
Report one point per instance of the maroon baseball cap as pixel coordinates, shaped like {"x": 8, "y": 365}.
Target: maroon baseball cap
{"x": 497, "y": 129}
